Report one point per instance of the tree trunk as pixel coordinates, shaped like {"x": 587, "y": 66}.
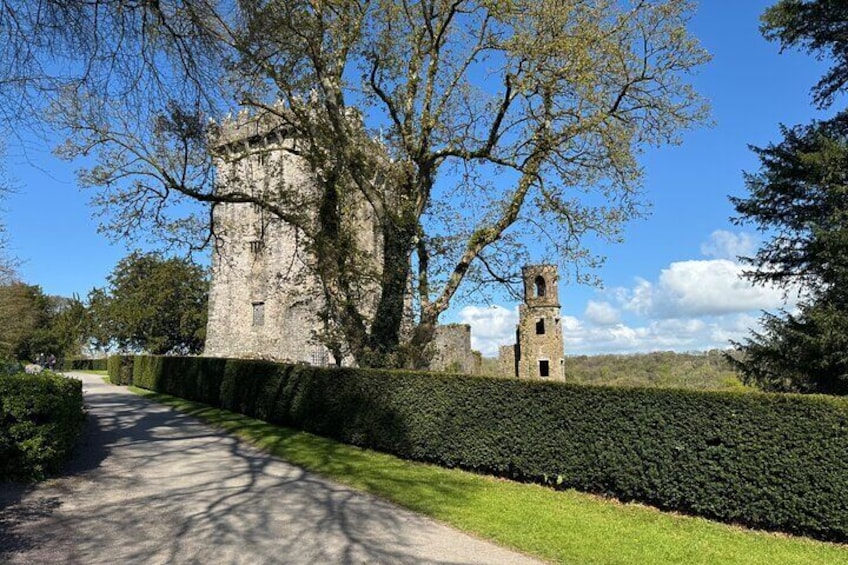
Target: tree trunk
{"x": 398, "y": 238}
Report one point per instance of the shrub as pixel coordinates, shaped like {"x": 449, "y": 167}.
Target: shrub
{"x": 120, "y": 369}
{"x": 10, "y": 367}
{"x": 252, "y": 387}
{"x": 73, "y": 364}
{"x": 41, "y": 417}
{"x": 147, "y": 371}
{"x": 772, "y": 461}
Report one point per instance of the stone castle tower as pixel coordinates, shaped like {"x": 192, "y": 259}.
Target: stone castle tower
{"x": 264, "y": 299}
{"x": 538, "y": 352}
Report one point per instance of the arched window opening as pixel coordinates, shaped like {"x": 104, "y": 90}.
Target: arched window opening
{"x": 540, "y": 286}
{"x": 540, "y": 326}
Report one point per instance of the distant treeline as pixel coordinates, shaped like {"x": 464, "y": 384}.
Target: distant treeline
{"x": 708, "y": 370}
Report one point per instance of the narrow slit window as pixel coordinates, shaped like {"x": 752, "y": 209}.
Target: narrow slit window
{"x": 544, "y": 368}
{"x": 258, "y": 313}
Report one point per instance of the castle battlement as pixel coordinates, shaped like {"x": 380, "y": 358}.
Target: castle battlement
{"x": 248, "y": 126}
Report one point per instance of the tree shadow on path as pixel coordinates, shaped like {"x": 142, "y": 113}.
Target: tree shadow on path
{"x": 151, "y": 485}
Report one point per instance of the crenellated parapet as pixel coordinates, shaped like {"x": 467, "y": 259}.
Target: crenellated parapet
{"x": 248, "y": 129}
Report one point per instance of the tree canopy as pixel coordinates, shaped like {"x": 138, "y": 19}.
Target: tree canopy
{"x": 32, "y": 323}
{"x": 799, "y": 198}
{"x": 473, "y": 129}
{"x": 820, "y": 27}
{"x": 152, "y": 304}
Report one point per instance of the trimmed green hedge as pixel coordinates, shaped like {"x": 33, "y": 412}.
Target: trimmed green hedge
{"x": 82, "y": 364}
{"x": 41, "y": 417}
{"x": 770, "y": 461}
{"x": 195, "y": 378}
{"x": 120, "y": 369}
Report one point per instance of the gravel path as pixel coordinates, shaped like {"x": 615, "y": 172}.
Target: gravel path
{"x": 151, "y": 485}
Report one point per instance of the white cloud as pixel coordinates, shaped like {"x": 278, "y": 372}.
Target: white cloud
{"x": 491, "y": 326}
{"x": 699, "y": 288}
{"x": 691, "y": 305}
{"x": 494, "y": 326}
{"x": 658, "y": 335}
{"x": 601, "y": 313}
{"x": 728, "y": 245}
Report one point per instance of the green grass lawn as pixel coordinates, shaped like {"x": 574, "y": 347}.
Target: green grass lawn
{"x": 559, "y": 526}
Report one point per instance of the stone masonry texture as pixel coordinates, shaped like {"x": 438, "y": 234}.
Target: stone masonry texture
{"x": 264, "y": 300}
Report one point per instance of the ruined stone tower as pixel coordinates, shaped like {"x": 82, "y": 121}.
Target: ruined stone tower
{"x": 538, "y": 351}
{"x": 540, "y": 347}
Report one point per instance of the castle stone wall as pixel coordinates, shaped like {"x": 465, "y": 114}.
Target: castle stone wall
{"x": 506, "y": 361}
{"x": 538, "y": 352}
{"x": 263, "y": 297}
{"x": 451, "y": 348}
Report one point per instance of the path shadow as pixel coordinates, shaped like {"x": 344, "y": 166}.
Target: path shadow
{"x": 14, "y": 514}
{"x": 152, "y": 485}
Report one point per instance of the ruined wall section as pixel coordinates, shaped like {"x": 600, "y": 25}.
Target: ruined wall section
{"x": 506, "y": 361}
{"x": 451, "y": 350}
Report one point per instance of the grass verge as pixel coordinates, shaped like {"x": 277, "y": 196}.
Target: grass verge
{"x": 559, "y": 526}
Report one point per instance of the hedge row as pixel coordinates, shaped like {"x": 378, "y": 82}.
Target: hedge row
{"x": 83, "y": 364}
{"x": 41, "y": 417}
{"x": 771, "y": 461}
{"x": 120, "y": 369}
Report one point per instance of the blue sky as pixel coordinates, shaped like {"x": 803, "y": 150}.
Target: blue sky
{"x": 672, "y": 284}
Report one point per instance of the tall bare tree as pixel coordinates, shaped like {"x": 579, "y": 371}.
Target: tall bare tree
{"x": 472, "y": 128}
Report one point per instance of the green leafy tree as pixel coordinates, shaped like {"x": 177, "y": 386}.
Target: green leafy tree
{"x": 152, "y": 304}
{"x": 470, "y": 128}
{"x": 70, "y": 326}
{"x": 802, "y": 352}
{"x": 23, "y": 311}
{"x": 32, "y": 323}
{"x": 800, "y": 199}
